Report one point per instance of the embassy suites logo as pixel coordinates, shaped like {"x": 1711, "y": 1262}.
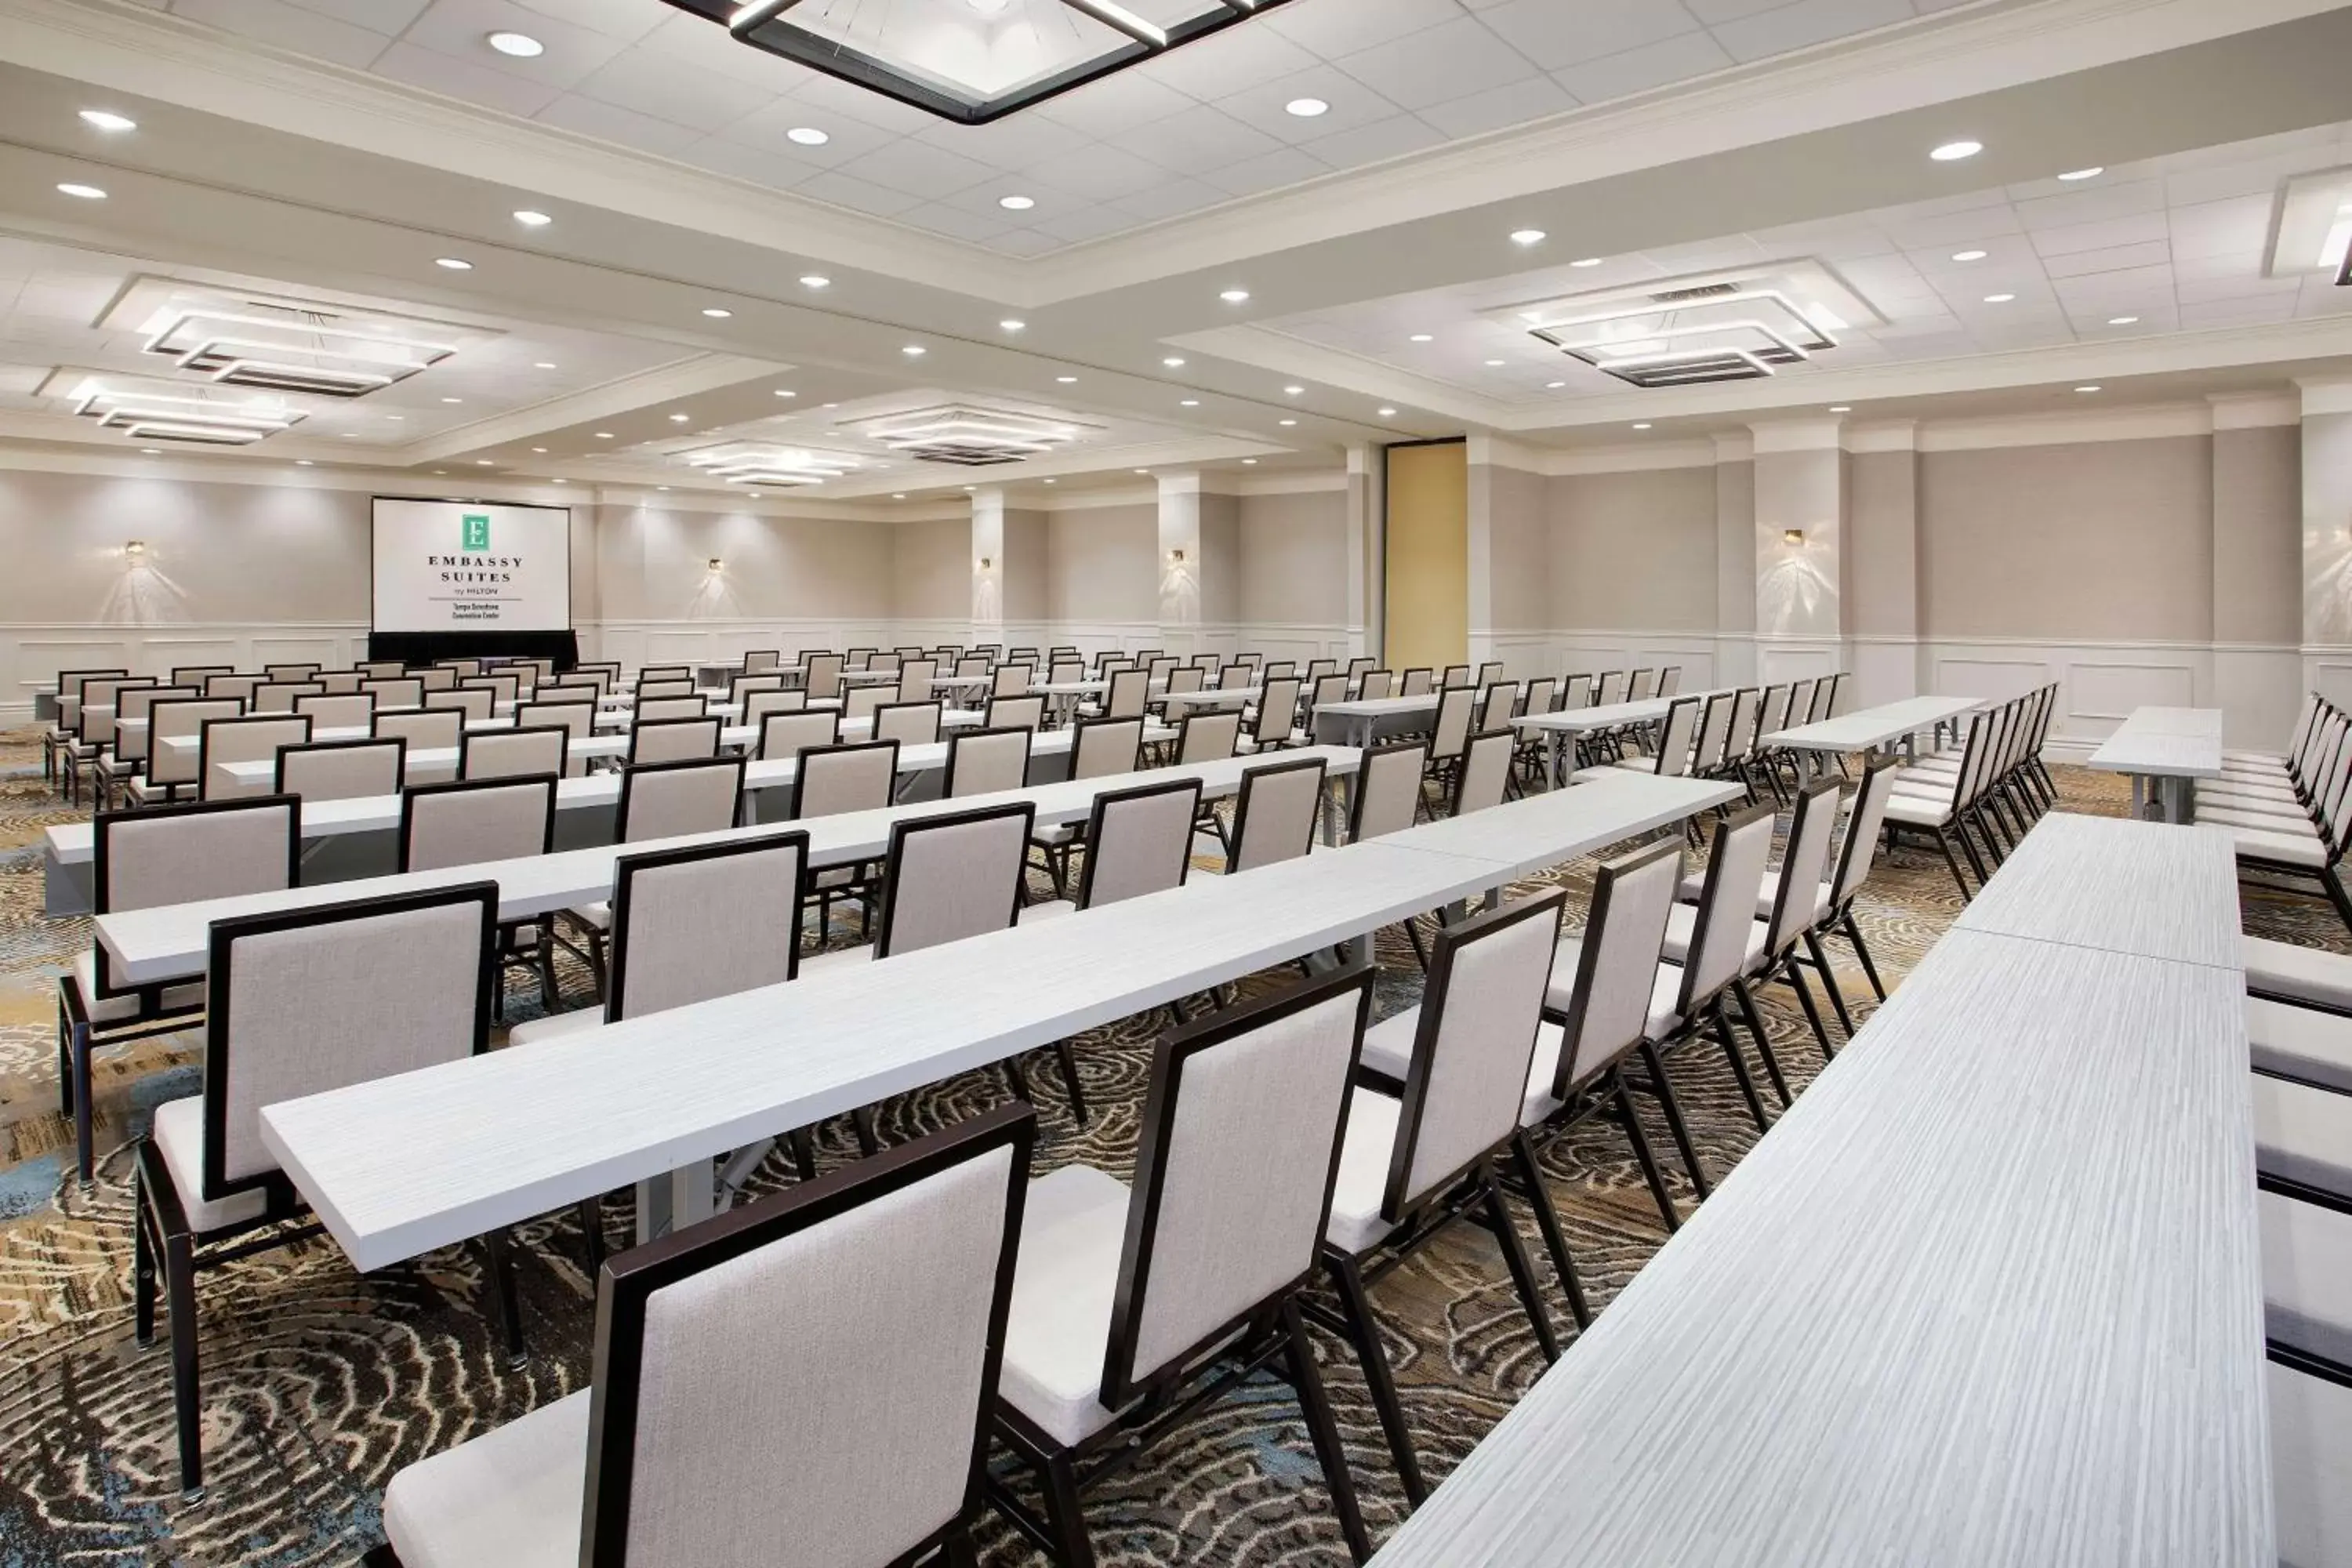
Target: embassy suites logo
{"x": 473, "y": 563}
{"x": 477, "y": 531}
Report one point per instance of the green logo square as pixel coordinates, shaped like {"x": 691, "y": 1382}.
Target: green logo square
{"x": 478, "y": 531}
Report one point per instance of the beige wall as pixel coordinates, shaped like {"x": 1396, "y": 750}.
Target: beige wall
{"x": 1294, "y": 559}
{"x": 653, "y": 565}
{"x": 2257, "y": 535}
{"x": 1882, "y": 566}
{"x": 1101, "y": 563}
{"x": 1025, "y": 564}
{"x": 1517, "y": 548}
{"x": 2095, "y": 541}
{"x": 1633, "y": 550}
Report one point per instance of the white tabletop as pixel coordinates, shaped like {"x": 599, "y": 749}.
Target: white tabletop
{"x": 1868, "y": 727}
{"x": 1380, "y": 707}
{"x": 2164, "y": 742}
{"x": 1518, "y": 838}
{"x": 1068, "y": 688}
{"x": 402, "y": 1165}
{"x": 868, "y": 677}
{"x": 2148, "y": 890}
{"x": 1214, "y": 698}
{"x": 1614, "y": 715}
{"x": 168, "y": 942}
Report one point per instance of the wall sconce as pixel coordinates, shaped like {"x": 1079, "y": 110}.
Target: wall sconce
{"x": 135, "y": 549}
{"x": 715, "y": 565}
{"x": 1177, "y": 556}
{"x": 1792, "y": 536}
{"x": 985, "y": 563}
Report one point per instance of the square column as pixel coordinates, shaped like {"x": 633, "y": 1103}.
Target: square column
{"x": 2327, "y": 461}
{"x": 1801, "y": 502}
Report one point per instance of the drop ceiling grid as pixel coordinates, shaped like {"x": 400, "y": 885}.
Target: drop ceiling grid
{"x": 1200, "y": 125}
{"x": 2181, "y": 243}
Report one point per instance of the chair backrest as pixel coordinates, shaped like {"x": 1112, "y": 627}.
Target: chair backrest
{"x": 576, "y": 719}
{"x": 1800, "y": 703}
{"x": 758, "y": 705}
{"x": 469, "y": 820}
{"x": 909, "y": 723}
{"x": 1861, "y": 826}
{"x": 1772, "y": 715}
{"x": 280, "y": 696}
{"x": 860, "y": 658}
{"x": 1643, "y": 686}
{"x": 1726, "y": 906}
{"x": 1129, "y": 690}
{"x": 503, "y": 687}
{"x": 915, "y": 679}
{"x": 1609, "y": 690}
{"x": 1475, "y": 1041}
{"x": 672, "y": 740}
{"x": 703, "y": 920}
{"x": 1186, "y": 677}
{"x": 1670, "y": 680}
{"x": 253, "y": 738}
{"x": 659, "y": 709}
{"x": 193, "y": 675}
{"x": 459, "y": 669}
{"x": 953, "y": 876}
{"x": 422, "y": 728}
{"x": 1138, "y": 841}
{"x": 1617, "y": 963}
{"x": 395, "y": 692}
{"x": 986, "y": 761}
{"x": 437, "y": 678}
{"x": 408, "y": 978}
{"x": 290, "y": 671}
{"x": 1486, "y": 771}
{"x": 669, "y": 800}
{"x": 1496, "y": 705}
{"x": 1205, "y": 736}
{"x": 1674, "y": 739}
{"x": 666, "y": 687}
{"x": 1106, "y": 746}
{"x": 1274, "y": 820}
{"x": 863, "y": 702}
{"x": 341, "y": 769}
{"x": 1576, "y": 693}
{"x": 1010, "y": 680}
{"x": 1277, "y": 709}
{"x": 1741, "y": 743}
{"x": 329, "y": 712}
{"x": 178, "y": 717}
{"x": 830, "y": 780}
{"x": 1236, "y": 676}
{"x": 1825, "y": 696}
{"x": 1451, "y": 730}
{"x": 893, "y": 1279}
{"x": 1387, "y": 790}
{"x": 1328, "y": 688}
{"x": 1064, "y": 670}
{"x": 1714, "y": 731}
{"x": 138, "y": 702}
{"x": 190, "y": 850}
{"x": 1804, "y": 866}
{"x": 788, "y": 734}
{"x": 759, "y": 660}
{"x": 1015, "y": 713}
{"x": 100, "y": 698}
{"x": 1543, "y": 695}
{"x": 971, "y": 665}
{"x": 1419, "y": 682}
{"x": 474, "y": 703}
{"x": 513, "y": 753}
{"x": 655, "y": 674}
{"x": 71, "y": 686}
{"x": 823, "y": 678}
{"x": 1234, "y": 1164}
{"x": 741, "y": 688}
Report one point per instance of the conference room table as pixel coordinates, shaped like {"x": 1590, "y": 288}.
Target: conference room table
{"x": 352, "y": 838}
{"x": 2165, "y": 751}
{"x": 402, "y": 1165}
{"x": 1582, "y": 722}
{"x": 1987, "y": 1296}
{"x": 1208, "y": 698}
{"x": 1360, "y": 721}
{"x": 1873, "y": 729}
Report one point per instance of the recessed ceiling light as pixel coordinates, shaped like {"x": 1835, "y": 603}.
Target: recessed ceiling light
{"x": 1527, "y": 237}
{"x": 1554, "y": 385}
{"x": 1968, "y": 255}
{"x": 816, "y": 280}
{"x": 717, "y": 312}
{"x": 555, "y": 481}
{"x": 2122, "y": 321}
{"x": 1841, "y": 407}
{"x": 1953, "y": 152}
{"x": 786, "y": 391}
{"x": 1644, "y": 424}
{"x": 482, "y": 463}
{"x": 1189, "y": 402}
{"x": 1294, "y": 391}
{"x": 604, "y": 435}
{"x": 87, "y": 193}
{"x": 1423, "y": 337}
{"x": 445, "y": 400}
{"x": 1173, "y": 362}
{"x": 1235, "y": 296}
{"x": 901, "y": 495}
{"x": 1052, "y": 481}
{"x": 1011, "y": 325}
{"x": 1388, "y": 413}
{"x": 1143, "y": 470}
{"x": 544, "y": 364}
{"x": 540, "y": 450}
{"x": 661, "y": 486}
{"x": 395, "y": 418}
{"x": 1066, "y": 380}
{"x": 1998, "y": 299}
{"x": 151, "y": 451}
{"x": 1286, "y": 422}
{"x": 1249, "y": 462}
{"x": 1305, "y": 108}
{"x": 105, "y": 120}
{"x": 914, "y": 350}
{"x": 679, "y": 418}
{"x": 1586, "y": 262}
{"x": 1492, "y": 363}
{"x": 1016, "y": 203}
{"x": 807, "y": 136}
{"x": 970, "y": 489}
{"x": 454, "y": 264}
{"x": 522, "y": 45}
{"x": 530, "y": 219}
{"x": 2093, "y": 173}
{"x": 302, "y": 462}
{"x": 2094, "y": 387}
{"x": 351, "y": 434}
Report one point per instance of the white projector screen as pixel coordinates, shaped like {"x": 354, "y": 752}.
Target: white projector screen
{"x": 454, "y": 566}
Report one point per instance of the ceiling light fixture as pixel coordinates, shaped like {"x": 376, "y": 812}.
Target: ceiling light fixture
{"x": 2093, "y": 387}
{"x": 1066, "y": 380}
{"x": 2093, "y": 173}
{"x": 445, "y": 400}
{"x": 1953, "y": 152}
{"x": 807, "y": 136}
{"x": 1644, "y": 424}
{"x": 542, "y": 451}
{"x": 1554, "y": 385}
{"x": 816, "y": 280}
{"x": 914, "y": 350}
{"x": 1173, "y": 362}
{"x": 679, "y": 418}
{"x": 1294, "y": 391}
{"x": 1496, "y": 364}
{"x": 1587, "y": 261}
{"x": 530, "y": 219}
{"x": 1841, "y": 407}
{"x": 1305, "y": 108}
{"x": 1527, "y": 237}
{"x": 1969, "y": 255}
{"x": 1286, "y": 423}
{"x": 717, "y": 312}
{"x": 483, "y": 463}
{"x": 1249, "y": 462}
{"x": 786, "y": 391}
{"x": 1423, "y": 337}
{"x": 2122, "y": 320}
{"x": 1235, "y": 296}
{"x": 522, "y": 45}
{"x": 104, "y": 120}
{"x": 1998, "y": 299}
{"x": 453, "y": 263}
{"x": 1012, "y": 325}
{"x": 544, "y": 364}
{"x": 1016, "y": 203}
{"x": 604, "y": 435}
{"x": 1388, "y": 413}
{"x": 86, "y": 193}
{"x": 302, "y": 463}
{"x": 1189, "y": 402}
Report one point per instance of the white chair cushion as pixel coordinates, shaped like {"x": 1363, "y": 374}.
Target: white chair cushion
{"x": 598, "y": 915}
{"x": 2256, "y": 844}
{"x": 844, "y": 958}
{"x": 1693, "y": 887}
{"x": 1388, "y": 1044}
{"x": 1665, "y": 990}
{"x": 2272, "y": 759}
{"x": 2307, "y": 1275}
{"x": 509, "y": 1499}
{"x": 2302, "y": 1134}
{"x": 2293, "y": 824}
{"x": 116, "y": 1009}
{"x": 1355, "y": 1223}
{"x": 1681, "y": 922}
{"x": 1064, "y": 1282}
{"x": 2310, "y": 1450}
{"x": 2279, "y": 789}
{"x": 1053, "y": 909}
{"x": 1918, "y": 811}
{"x": 179, "y": 1133}
{"x": 2300, "y": 1043}
{"x": 578, "y": 1020}
{"x": 2303, "y": 973}
{"x": 1055, "y": 832}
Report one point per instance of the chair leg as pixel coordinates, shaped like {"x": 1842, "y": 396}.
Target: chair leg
{"x": 143, "y": 1265}
{"x": 1420, "y": 949}
{"x": 546, "y": 945}
{"x": 1853, "y": 929}
{"x": 1357, "y": 1306}
{"x": 1523, "y": 1272}
{"x": 84, "y": 1135}
{"x": 65, "y": 1062}
{"x": 1795, "y": 974}
{"x": 1746, "y": 995}
{"x": 1074, "y": 1548}
{"x": 502, "y": 1285}
{"x": 803, "y": 1153}
{"x": 959, "y": 1549}
{"x": 1017, "y": 1080}
{"x": 187, "y": 1398}
{"x": 592, "y": 1227}
{"x": 1829, "y": 983}
{"x": 1649, "y": 1161}
{"x": 869, "y": 1140}
{"x": 1315, "y": 1405}
{"x": 1721, "y": 1024}
{"x": 1547, "y": 1225}
{"x": 1662, "y": 1086}
{"x": 1944, "y": 842}
{"x": 1069, "y": 1061}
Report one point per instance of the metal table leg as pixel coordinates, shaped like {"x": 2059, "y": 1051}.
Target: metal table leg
{"x": 671, "y": 1202}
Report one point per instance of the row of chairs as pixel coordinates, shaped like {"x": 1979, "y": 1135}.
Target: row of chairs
{"x": 1983, "y": 795}
{"x": 2288, "y": 813}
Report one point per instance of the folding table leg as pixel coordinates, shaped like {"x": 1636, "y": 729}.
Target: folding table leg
{"x": 670, "y": 1203}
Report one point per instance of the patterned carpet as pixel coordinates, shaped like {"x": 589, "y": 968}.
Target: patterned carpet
{"x": 319, "y": 1384}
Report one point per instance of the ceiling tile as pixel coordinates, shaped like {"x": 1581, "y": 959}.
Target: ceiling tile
{"x": 2113, "y": 259}
{"x": 1275, "y": 170}
{"x": 1117, "y": 104}
{"x": 1388, "y": 138}
{"x": 1023, "y": 242}
{"x": 2091, "y": 204}
{"x": 2235, "y": 225}
{"x": 463, "y": 78}
{"x": 627, "y": 20}
{"x": 681, "y": 36}
{"x": 957, "y": 223}
{"x": 1169, "y": 198}
{"x": 1553, "y": 35}
{"x": 673, "y": 90}
{"x": 1195, "y": 139}
{"x": 2140, "y": 229}
{"x": 386, "y": 16}
{"x": 1517, "y": 104}
{"x": 1787, "y": 28}
{"x": 1335, "y": 28}
{"x": 1099, "y": 171}
{"x": 289, "y": 28}
{"x": 858, "y": 195}
{"x": 1634, "y": 70}
{"x": 1351, "y": 104}
{"x": 460, "y": 29}
{"x": 849, "y": 138}
{"x": 911, "y": 166}
{"x": 1239, "y": 57}
{"x": 1438, "y": 64}
{"x": 622, "y": 127}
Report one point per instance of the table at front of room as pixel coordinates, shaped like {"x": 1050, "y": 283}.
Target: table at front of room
{"x": 2165, "y": 751}
{"x": 455, "y": 1151}
{"x": 1987, "y": 1296}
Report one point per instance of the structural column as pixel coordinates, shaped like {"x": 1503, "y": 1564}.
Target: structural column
{"x": 1199, "y": 565}
{"x": 1801, "y": 554}
{"x": 2328, "y": 538}
{"x": 1735, "y": 560}
{"x": 988, "y": 565}
{"x": 2257, "y": 565}
{"x": 1884, "y": 612}
{"x": 1364, "y": 548}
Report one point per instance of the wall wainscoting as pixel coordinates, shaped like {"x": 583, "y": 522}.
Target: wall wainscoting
{"x": 31, "y": 654}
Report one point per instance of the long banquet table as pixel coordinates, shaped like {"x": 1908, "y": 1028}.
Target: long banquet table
{"x": 1987, "y": 1296}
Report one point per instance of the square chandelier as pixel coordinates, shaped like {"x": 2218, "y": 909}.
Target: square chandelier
{"x": 971, "y": 61}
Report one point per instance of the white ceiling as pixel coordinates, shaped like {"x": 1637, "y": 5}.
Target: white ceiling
{"x": 1200, "y": 125}
{"x": 2181, "y": 243}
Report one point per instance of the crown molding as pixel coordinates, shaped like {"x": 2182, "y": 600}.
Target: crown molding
{"x": 2253, "y": 410}
{"x": 1883, "y": 436}
{"x": 1781, "y": 436}
{"x": 2325, "y": 396}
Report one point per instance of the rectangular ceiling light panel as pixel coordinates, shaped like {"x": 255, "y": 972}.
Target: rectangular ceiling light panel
{"x": 971, "y": 61}
{"x": 757, "y": 463}
{"x": 1730, "y": 326}
{"x": 969, "y": 436}
{"x": 150, "y": 410}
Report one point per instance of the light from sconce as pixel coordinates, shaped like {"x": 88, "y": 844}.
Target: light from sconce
{"x": 716, "y": 565}
{"x": 1792, "y": 536}
{"x": 136, "y": 549}
{"x": 985, "y": 563}
{"x": 1176, "y": 555}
